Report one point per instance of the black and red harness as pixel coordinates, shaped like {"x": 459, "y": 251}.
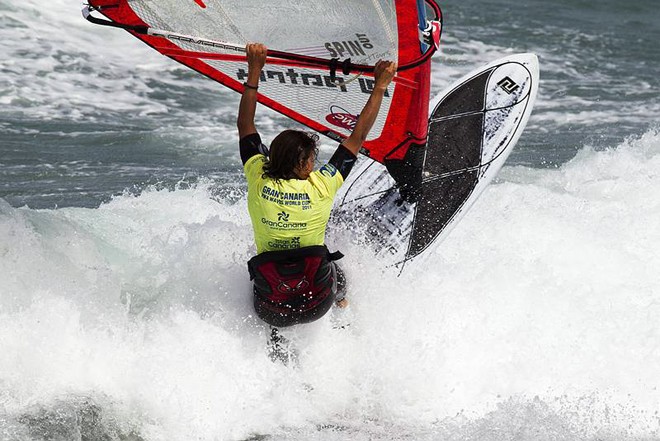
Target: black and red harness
{"x": 294, "y": 286}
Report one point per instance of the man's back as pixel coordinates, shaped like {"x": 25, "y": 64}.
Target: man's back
{"x": 288, "y": 213}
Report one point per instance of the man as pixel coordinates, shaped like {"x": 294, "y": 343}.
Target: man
{"x": 295, "y": 278}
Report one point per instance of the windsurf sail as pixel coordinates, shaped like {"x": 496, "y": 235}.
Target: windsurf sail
{"x": 321, "y": 55}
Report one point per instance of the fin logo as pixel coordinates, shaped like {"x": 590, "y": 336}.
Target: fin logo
{"x": 508, "y": 85}
{"x": 283, "y": 217}
{"x": 341, "y": 118}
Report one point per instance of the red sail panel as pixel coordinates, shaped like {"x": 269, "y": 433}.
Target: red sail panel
{"x": 407, "y": 121}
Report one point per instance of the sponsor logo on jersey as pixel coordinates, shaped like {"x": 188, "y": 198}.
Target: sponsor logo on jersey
{"x": 284, "y": 224}
{"x": 285, "y": 244}
{"x": 285, "y": 197}
{"x": 328, "y": 170}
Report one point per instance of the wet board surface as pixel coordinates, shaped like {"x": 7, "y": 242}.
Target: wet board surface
{"x": 473, "y": 128}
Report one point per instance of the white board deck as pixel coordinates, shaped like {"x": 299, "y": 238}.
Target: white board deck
{"x": 474, "y": 126}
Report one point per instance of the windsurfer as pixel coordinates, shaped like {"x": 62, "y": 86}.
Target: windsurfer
{"x": 295, "y": 276}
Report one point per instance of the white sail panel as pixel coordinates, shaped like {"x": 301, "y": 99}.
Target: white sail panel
{"x": 363, "y": 30}
{"x": 313, "y": 94}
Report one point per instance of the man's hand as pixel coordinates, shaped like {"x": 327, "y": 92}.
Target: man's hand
{"x": 384, "y": 72}
{"x": 256, "y": 57}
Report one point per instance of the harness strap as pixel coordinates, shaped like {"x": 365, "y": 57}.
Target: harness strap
{"x": 335, "y": 256}
{"x": 290, "y": 256}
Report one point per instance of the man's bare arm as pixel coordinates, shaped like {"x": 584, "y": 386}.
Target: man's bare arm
{"x": 256, "y": 55}
{"x": 384, "y": 73}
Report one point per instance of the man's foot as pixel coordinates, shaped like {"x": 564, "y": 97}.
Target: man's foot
{"x": 342, "y": 301}
{"x": 280, "y": 349}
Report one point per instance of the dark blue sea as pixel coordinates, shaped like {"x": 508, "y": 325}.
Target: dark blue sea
{"x": 125, "y": 310}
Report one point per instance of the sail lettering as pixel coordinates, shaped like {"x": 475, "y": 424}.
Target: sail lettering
{"x": 292, "y": 77}
{"x": 349, "y": 48}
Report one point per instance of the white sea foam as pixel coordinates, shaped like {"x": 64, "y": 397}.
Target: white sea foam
{"x": 80, "y": 72}
{"x": 537, "y": 314}
{"x": 535, "y": 319}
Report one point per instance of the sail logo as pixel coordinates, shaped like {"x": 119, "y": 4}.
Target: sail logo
{"x": 508, "y": 85}
{"x": 295, "y": 78}
{"x": 292, "y": 77}
{"x": 353, "y": 48}
{"x": 195, "y": 40}
{"x": 341, "y": 118}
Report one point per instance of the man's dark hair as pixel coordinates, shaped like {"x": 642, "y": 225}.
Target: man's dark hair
{"x": 289, "y": 149}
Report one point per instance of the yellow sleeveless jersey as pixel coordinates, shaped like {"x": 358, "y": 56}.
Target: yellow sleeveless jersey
{"x": 289, "y": 213}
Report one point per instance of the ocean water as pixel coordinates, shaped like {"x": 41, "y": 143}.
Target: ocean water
{"x": 125, "y": 311}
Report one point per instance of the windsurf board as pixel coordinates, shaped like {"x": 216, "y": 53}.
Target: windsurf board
{"x": 473, "y": 127}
